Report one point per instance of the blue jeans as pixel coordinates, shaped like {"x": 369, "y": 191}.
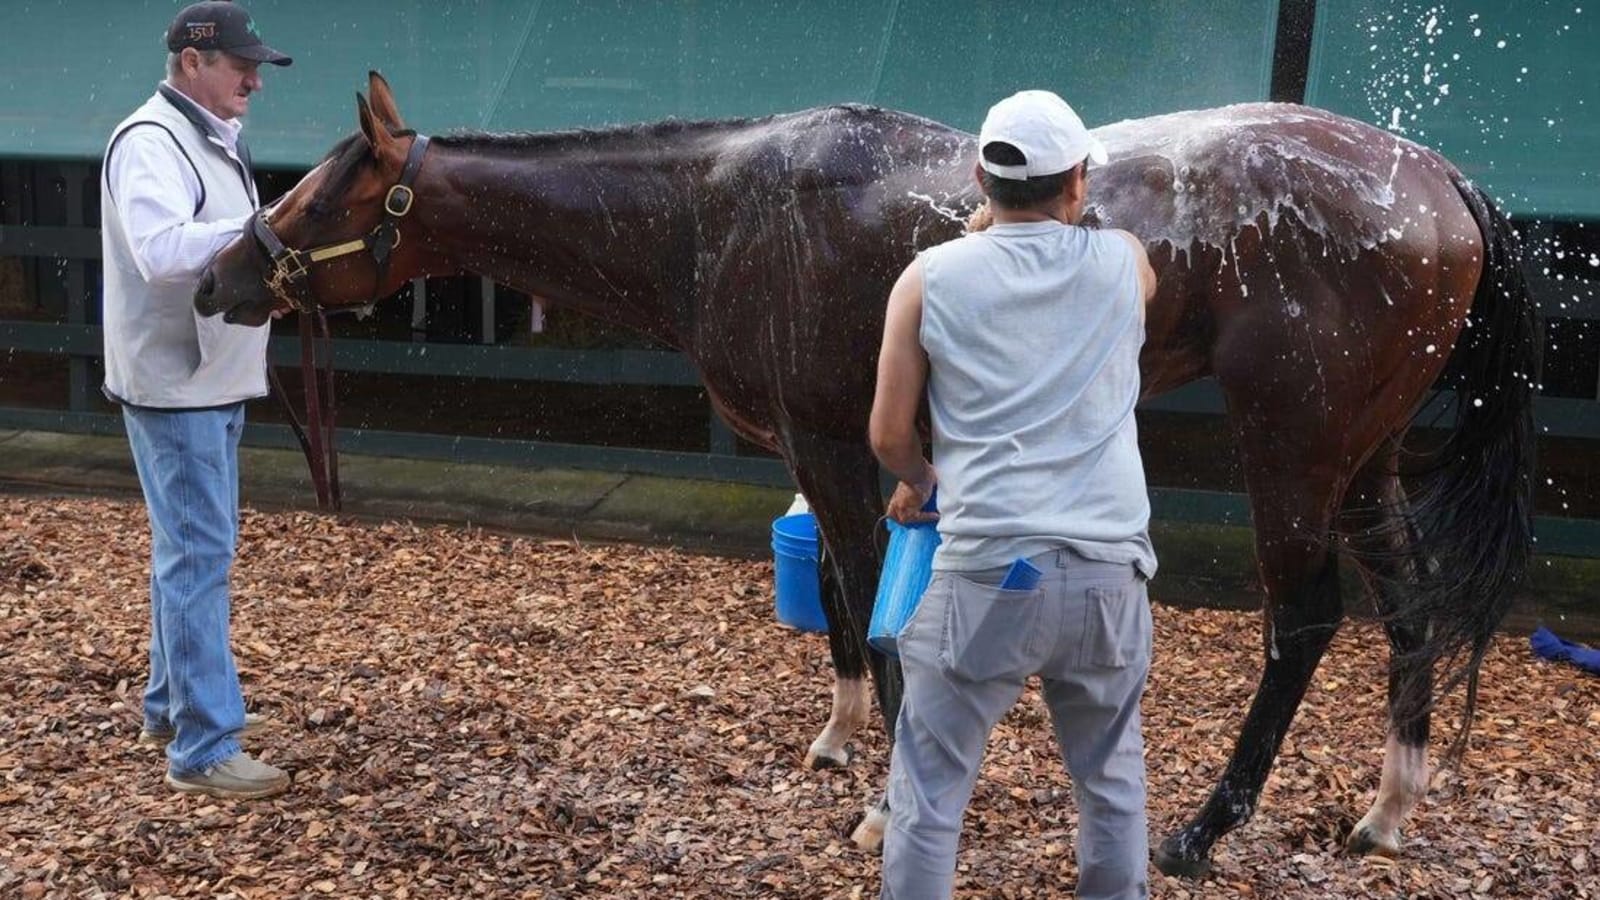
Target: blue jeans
{"x": 188, "y": 465}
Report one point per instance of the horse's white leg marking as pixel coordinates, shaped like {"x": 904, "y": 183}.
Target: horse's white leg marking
{"x": 868, "y": 835}
{"x": 851, "y": 703}
{"x": 1405, "y": 781}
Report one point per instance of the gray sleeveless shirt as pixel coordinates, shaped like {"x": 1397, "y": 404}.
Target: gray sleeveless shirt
{"x": 1033, "y": 333}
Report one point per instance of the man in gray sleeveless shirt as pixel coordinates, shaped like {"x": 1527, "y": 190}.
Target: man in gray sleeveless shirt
{"x": 1026, "y": 338}
{"x": 177, "y": 187}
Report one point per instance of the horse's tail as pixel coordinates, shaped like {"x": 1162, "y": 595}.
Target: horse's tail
{"x": 1472, "y": 506}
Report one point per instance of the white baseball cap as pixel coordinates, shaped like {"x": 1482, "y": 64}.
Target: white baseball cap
{"x": 1049, "y": 134}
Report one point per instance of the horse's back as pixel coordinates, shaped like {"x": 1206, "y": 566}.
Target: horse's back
{"x": 833, "y": 147}
{"x": 1195, "y": 180}
{"x": 1309, "y": 261}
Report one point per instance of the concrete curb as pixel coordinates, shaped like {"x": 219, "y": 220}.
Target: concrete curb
{"x": 728, "y": 519}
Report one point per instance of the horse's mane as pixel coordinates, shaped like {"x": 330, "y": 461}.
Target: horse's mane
{"x": 351, "y": 153}
{"x": 536, "y": 140}
{"x": 665, "y": 129}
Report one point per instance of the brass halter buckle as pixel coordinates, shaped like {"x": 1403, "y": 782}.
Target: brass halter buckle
{"x": 398, "y": 201}
{"x": 291, "y": 265}
{"x": 286, "y": 270}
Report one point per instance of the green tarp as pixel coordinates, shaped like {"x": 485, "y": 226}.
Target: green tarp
{"x": 1508, "y": 90}
{"x": 73, "y": 68}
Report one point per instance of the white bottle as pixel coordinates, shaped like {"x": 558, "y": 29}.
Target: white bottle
{"x": 798, "y": 506}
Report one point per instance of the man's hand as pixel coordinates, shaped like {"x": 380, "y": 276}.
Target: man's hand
{"x": 981, "y": 218}
{"x": 906, "y": 505}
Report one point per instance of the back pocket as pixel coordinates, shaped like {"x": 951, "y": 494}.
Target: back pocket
{"x": 1116, "y": 626}
{"x": 989, "y": 633}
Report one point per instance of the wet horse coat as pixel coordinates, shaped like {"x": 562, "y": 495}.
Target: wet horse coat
{"x": 1319, "y": 268}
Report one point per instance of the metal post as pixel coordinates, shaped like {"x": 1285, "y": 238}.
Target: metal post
{"x": 1291, "y": 50}
{"x": 722, "y": 439}
{"x": 77, "y": 288}
{"x": 419, "y": 310}
{"x": 486, "y": 312}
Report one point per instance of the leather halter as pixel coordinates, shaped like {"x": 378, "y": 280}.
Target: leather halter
{"x": 290, "y": 267}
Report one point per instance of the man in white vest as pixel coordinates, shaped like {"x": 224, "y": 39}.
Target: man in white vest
{"x": 177, "y": 188}
{"x": 1024, "y": 339}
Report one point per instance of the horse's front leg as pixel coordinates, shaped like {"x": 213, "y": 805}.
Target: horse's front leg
{"x": 851, "y": 701}
{"x": 850, "y": 693}
{"x": 840, "y": 481}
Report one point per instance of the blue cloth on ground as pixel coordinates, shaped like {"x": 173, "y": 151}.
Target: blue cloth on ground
{"x": 1547, "y": 646}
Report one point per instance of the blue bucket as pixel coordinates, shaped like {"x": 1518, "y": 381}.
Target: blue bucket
{"x": 794, "y": 559}
{"x": 907, "y": 569}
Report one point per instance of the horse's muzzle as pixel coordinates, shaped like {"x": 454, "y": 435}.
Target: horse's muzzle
{"x": 205, "y": 295}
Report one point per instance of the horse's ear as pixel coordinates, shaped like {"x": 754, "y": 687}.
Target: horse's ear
{"x": 383, "y": 102}
{"x": 377, "y": 134}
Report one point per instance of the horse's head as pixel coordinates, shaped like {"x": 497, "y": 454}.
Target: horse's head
{"x": 344, "y": 236}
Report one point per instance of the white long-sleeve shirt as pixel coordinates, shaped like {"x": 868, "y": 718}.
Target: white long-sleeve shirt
{"x": 155, "y": 191}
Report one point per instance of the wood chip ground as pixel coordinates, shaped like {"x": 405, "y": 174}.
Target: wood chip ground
{"x": 470, "y": 714}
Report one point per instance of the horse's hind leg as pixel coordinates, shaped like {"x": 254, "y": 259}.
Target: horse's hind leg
{"x": 1382, "y": 540}
{"x": 1292, "y": 501}
{"x": 840, "y": 481}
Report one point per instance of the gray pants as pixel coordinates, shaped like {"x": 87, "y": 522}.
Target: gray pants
{"x": 966, "y": 653}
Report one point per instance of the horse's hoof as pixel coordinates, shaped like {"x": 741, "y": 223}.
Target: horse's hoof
{"x": 1364, "y": 841}
{"x": 1171, "y": 862}
{"x": 817, "y": 759}
{"x": 868, "y": 835}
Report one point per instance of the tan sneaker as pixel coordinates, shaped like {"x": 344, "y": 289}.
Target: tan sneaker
{"x": 239, "y": 777}
{"x": 161, "y": 737}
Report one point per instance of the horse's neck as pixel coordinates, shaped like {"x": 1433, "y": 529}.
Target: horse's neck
{"x": 590, "y": 231}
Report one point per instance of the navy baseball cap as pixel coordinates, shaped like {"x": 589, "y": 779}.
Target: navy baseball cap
{"x": 219, "y": 25}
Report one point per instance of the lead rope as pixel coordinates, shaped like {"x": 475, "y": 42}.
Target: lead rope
{"x": 330, "y": 410}
{"x": 316, "y": 434}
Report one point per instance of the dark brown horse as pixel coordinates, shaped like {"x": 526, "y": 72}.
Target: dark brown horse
{"x": 1320, "y": 269}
